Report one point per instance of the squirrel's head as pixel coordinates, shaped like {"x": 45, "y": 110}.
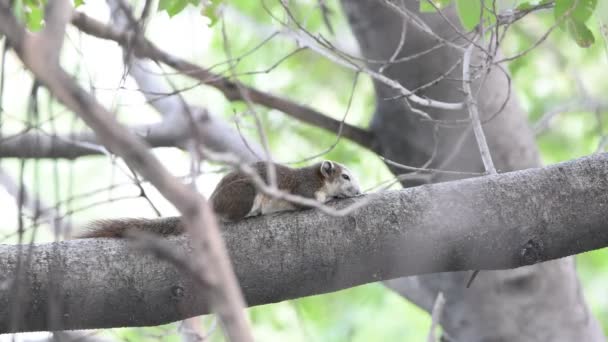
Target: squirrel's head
{"x": 339, "y": 181}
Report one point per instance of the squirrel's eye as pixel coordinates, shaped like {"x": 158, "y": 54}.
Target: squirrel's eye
{"x": 345, "y": 176}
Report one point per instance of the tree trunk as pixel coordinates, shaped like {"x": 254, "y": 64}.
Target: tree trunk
{"x": 524, "y": 304}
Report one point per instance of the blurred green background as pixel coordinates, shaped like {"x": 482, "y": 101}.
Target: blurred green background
{"x": 557, "y": 76}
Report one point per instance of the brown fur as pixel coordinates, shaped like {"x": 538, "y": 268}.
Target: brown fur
{"x": 232, "y": 199}
{"x": 116, "y": 228}
{"x": 229, "y": 207}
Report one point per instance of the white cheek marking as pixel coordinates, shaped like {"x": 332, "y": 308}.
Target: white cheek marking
{"x": 263, "y": 204}
{"x": 321, "y": 195}
{"x": 352, "y": 185}
{"x": 273, "y": 205}
{"x": 333, "y": 189}
{"x": 256, "y": 208}
{"x": 355, "y": 185}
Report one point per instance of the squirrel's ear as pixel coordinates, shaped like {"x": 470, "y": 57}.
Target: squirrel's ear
{"x": 327, "y": 168}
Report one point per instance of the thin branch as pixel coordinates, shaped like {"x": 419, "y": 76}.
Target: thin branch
{"x": 318, "y": 46}
{"x": 174, "y": 109}
{"x": 41, "y": 144}
{"x": 212, "y": 262}
{"x": 35, "y": 205}
{"x": 146, "y": 49}
{"x": 585, "y": 103}
{"x": 474, "y": 114}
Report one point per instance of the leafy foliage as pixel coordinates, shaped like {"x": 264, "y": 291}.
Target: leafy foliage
{"x": 570, "y": 15}
{"x": 575, "y": 14}
{"x": 470, "y": 13}
{"x": 32, "y": 12}
{"x": 173, "y": 7}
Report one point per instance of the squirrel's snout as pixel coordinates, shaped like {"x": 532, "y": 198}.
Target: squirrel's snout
{"x": 353, "y": 192}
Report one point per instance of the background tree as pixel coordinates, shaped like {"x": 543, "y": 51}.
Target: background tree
{"x": 413, "y": 68}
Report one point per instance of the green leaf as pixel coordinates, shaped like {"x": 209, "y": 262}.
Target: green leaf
{"x": 78, "y": 3}
{"x": 427, "y": 7}
{"x": 210, "y": 10}
{"x": 469, "y": 12}
{"x": 172, "y": 7}
{"x": 32, "y": 3}
{"x": 34, "y": 17}
{"x": 572, "y": 15}
{"x": 527, "y": 5}
{"x": 32, "y": 12}
{"x": 524, "y": 6}
{"x": 581, "y": 33}
{"x": 163, "y": 5}
{"x": 578, "y": 10}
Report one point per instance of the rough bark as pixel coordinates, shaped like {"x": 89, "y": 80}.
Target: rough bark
{"x": 521, "y": 305}
{"x": 492, "y": 222}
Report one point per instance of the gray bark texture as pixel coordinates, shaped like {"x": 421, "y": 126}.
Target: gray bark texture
{"x": 494, "y": 222}
{"x": 527, "y": 304}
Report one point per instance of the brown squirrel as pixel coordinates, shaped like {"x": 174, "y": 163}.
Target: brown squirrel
{"x": 236, "y": 197}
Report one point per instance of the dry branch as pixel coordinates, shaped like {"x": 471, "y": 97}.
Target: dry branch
{"x": 38, "y": 53}
{"x": 494, "y": 222}
{"x": 233, "y": 90}
{"x": 215, "y": 133}
{"x": 38, "y": 208}
{"x": 480, "y": 136}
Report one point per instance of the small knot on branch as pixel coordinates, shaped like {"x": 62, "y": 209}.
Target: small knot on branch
{"x": 177, "y": 292}
{"x": 532, "y": 252}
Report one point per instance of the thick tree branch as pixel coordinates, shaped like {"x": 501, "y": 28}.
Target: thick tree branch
{"x": 494, "y": 222}
{"x": 233, "y": 90}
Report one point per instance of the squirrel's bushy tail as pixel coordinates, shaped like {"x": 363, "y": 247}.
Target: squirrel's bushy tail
{"x": 116, "y": 228}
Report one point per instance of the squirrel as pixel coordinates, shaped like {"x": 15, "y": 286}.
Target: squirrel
{"x": 236, "y": 198}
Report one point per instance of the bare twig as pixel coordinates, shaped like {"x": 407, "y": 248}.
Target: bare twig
{"x": 35, "y": 204}
{"x": 267, "y": 156}
{"x": 318, "y": 46}
{"x": 170, "y": 133}
{"x": 144, "y": 48}
{"x": 474, "y": 114}
{"x": 584, "y": 104}
{"x": 213, "y": 267}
